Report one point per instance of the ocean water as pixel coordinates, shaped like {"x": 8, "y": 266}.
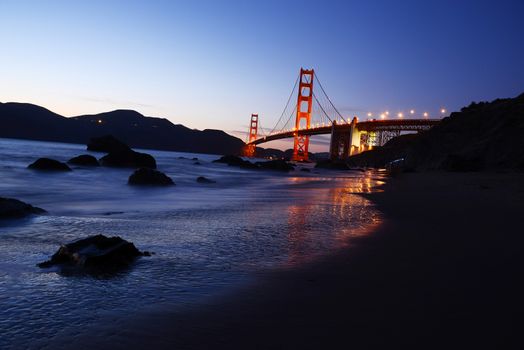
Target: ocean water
{"x": 207, "y": 238}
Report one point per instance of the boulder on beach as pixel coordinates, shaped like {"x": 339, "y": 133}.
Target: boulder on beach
{"x": 107, "y": 144}
{"x": 236, "y": 161}
{"x": 277, "y": 165}
{"x": 205, "y": 180}
{"x": 49, "y": 164}
{"x": 13, "y": 208}
{"x": 128, "y": 159}
{"x": 95, "y": 252}
{"x": 85, "y": 160}
{"x": 149, "y": 177}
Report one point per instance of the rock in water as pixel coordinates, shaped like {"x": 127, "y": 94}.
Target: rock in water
{"x": 13, "y": 208}
{"x": 278, "y": 165}
{"x": 49, "y": 165}
{"x": 128, "y": 159}
{"x": 84, "y": 159}
{"x": 236, "y": 161}
{"x": 147, "y": 176}
{"x": 107, "y": 144}
{"x": 95, "y": 252}
{"x": 205, "y": 180}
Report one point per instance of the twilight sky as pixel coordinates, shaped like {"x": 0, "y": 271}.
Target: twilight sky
{"x": 210, "y": 64}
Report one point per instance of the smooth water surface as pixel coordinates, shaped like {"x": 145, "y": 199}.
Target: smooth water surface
{"x": 207, "y": 237}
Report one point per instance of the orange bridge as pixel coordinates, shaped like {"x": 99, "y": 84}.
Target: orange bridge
{"x": 318, "y": 116}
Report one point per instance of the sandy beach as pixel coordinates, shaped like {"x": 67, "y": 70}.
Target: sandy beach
{"x": 443, "y": 270}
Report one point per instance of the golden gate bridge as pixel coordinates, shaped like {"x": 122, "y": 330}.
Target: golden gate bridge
{"x": 316, "y": 115}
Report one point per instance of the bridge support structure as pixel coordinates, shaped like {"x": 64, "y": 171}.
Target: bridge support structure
{"x": 344, "y": 142}
{"x": 303, "y": 116}
{"x": 250, "y": 148}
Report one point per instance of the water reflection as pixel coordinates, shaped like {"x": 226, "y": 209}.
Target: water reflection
{"x": 331, "y": 216}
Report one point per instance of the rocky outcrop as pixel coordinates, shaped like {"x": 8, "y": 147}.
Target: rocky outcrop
{"x": 84, "y": 160}
{"x": 48, "y": 164}
{"x": 205, "y": 180}
{"x": 106, "y": 144}
{"x": 482, "y": 136}
{"x": 128, "y": 159}
{"x": 276, "y": 165}
{"x": 236, "y": 161}
{"x": 120, "y": 154}
{"x": 13, "y": 208}
{"x": 150, "y": 177}
{"x": 95, "y": 253}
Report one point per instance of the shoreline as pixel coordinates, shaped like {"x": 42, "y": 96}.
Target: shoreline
{"x": 442, "y": 271}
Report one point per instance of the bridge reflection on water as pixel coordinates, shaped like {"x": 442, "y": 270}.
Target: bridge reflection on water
{"x": 334, "y": 215}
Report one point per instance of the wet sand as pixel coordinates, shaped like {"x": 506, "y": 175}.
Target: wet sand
{"x": 444, "y": 270}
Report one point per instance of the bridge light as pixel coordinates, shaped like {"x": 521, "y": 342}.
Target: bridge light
{"x": 412, "y": 111}
{"x": 426, "y": 114}
{"x": 443, "y": 110}
{"x": 382, "y": 116}
{"x": 370, "y": 114}
{"x": 387, "y": 112}
{"x": 400, "y": 115}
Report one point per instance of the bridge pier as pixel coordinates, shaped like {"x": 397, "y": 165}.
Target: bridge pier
{"x": 339, "y": 146}
{"x": 344, "y": 142}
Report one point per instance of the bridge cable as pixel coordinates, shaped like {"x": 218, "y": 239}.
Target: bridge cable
{"x": 322, "y": 88}
{"x": 322, "y": 108}
{"x": 287, "y": 104}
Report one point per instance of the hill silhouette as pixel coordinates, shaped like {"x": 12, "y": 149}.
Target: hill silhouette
{"x": 485, "y": 135}
{"x": 28, "y": 121}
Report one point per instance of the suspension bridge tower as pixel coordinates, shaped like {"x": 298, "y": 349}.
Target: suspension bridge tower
{"x": 250, "y": 148}
{"x": 303, "y": 116}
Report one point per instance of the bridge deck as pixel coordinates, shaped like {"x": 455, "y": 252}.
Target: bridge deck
{"x": 370, "y": 125}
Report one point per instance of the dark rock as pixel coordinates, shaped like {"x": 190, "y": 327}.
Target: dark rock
{"x": 49, "y": 165}
{"x": 107, "y": 144}
{"x": 278, "y": 165}
{"x": 306, "y": 170}
{"x": 95, "y": 252}
{"x": 236, "y": 161}
{"x": 205, "y": 180}
{"x": 147, "y": 176}
{"x": 332, "y": 164}
{"x": 230, "y": 160}
{"x": 128, "y": 159}
{"x": 195, "y": 158}
{"x": 197, "y": 163}
{"x": 13, "y": 208}
{"x": 84, "y": 159}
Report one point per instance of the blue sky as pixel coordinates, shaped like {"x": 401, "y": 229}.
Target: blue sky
{"x": 210, "y": 64}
